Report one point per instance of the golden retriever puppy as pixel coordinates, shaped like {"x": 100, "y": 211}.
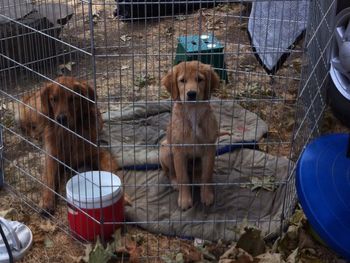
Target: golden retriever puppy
{"x": 192, "y": 132}
{"x": 69, "y": 133}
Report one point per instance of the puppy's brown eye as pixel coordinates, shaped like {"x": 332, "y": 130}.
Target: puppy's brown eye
{"x": 199, "y": 79}
{"x": 182, "y": 80}
{"x": 53, "y": 99}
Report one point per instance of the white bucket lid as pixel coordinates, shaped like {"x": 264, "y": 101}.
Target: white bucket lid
{"x": 93, "y": 189}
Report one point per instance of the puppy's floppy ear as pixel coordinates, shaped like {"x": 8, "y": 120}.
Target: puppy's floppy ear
{"x": 213, "y": 81}
{"x": 84, "y": 89}
{"x": 46, "y": 107}
{"x": 170, "y": 83}
{"x": 89, "y": 109}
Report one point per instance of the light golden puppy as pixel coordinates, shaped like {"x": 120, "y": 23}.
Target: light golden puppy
{"x": 189, "y": 146}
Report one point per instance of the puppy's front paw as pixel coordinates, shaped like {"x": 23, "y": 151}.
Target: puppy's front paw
{"x": 47, "y": 204}
{"x": 207, "y": 195}
{"x": 184, "y": 201}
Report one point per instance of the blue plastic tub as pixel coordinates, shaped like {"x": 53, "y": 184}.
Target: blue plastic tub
{"x": 323, "y": 186}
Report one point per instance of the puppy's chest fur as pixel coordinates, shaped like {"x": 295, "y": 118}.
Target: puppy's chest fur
{"x": 69, "y": 146}
{"x": 193, "y": 124}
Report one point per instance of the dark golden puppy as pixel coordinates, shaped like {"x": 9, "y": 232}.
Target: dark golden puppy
{"x": 192, "y": 131}
{"x": 29, "y": 113}
{"x": 69, "y": 133}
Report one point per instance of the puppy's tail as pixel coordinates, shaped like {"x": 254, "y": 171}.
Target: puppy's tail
{"x": 20, "y": 108}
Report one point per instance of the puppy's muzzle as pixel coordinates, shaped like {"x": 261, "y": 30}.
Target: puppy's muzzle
{"x": 62, "y": 119}
{"x": 191, "y": 95}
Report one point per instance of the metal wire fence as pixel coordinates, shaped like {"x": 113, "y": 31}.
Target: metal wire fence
{"x": 122, "y": 50}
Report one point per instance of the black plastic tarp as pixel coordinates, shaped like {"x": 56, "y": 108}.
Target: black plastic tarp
{"x": 29, "y": 32}
{"x": 141, "y": 9}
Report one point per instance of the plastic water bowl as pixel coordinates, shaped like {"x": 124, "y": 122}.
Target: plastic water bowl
{"x": 95, "y": 204}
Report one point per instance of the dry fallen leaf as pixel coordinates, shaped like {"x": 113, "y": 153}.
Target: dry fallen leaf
{"x": 213, "y": 251}
{"x": 191, "y": 253}
{"x": 296, "y": 64}
{"x": 125, "y": 247}
{"x": 206, "y": 252}
{"x": 179, "y": 258}
{"x": 289, "y": 241}
{"x": 88, "y": 249}
{"x": 125, "y": 38}
{"x": 48, "y": 242}
{"x": 48, "y": 226}
{"x": 95, "y": 10}
{"x": 243, "y": 26}
{"x": 236, "y": 255}
{"x": 270, "y": 258}
{"x": 69, "y": 65}
{"x": 167, "y": 258}
{"x": 239, "y": 229}
{"x": 100, "y": 254}
{"x": 309, "y": 255}
{"x": 293, "y": 257}
{"x": 133, "y": 250}
{"x": 252, "y": 242}
{"x": 95, "y": 14}
{"x": 261, "y": 182}
{"x": 306, "y": 239}
{"x": 297, "y": 218}
{"x": 9, "y": 213}
{"x": 169, "y": 31}
{"x": 180, "y": 18}
{"x": 117, "y": 237}
{"x": 76, "y": 259}
{"x": 63, "y": 67}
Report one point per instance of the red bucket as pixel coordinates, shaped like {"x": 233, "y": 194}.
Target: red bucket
{"x": 95, "y": 204}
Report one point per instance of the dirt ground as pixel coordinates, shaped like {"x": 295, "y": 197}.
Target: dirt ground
{"x": 130, "y": 60}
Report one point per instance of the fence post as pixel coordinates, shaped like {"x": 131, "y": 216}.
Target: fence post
{"x": 1, "y": 160}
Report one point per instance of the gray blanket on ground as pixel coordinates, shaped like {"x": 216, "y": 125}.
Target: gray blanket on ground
{"x": 247, "y": 181}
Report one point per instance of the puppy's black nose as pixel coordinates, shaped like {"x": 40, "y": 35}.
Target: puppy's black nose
{"x": 191, "y": 95}
{"x": 62, "y": 119}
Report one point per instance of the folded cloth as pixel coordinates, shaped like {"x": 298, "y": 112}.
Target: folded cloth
{"x": 274, "y": 26}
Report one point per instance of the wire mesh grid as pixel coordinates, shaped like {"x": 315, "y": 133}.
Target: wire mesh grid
{"x": 123, "y": 60}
